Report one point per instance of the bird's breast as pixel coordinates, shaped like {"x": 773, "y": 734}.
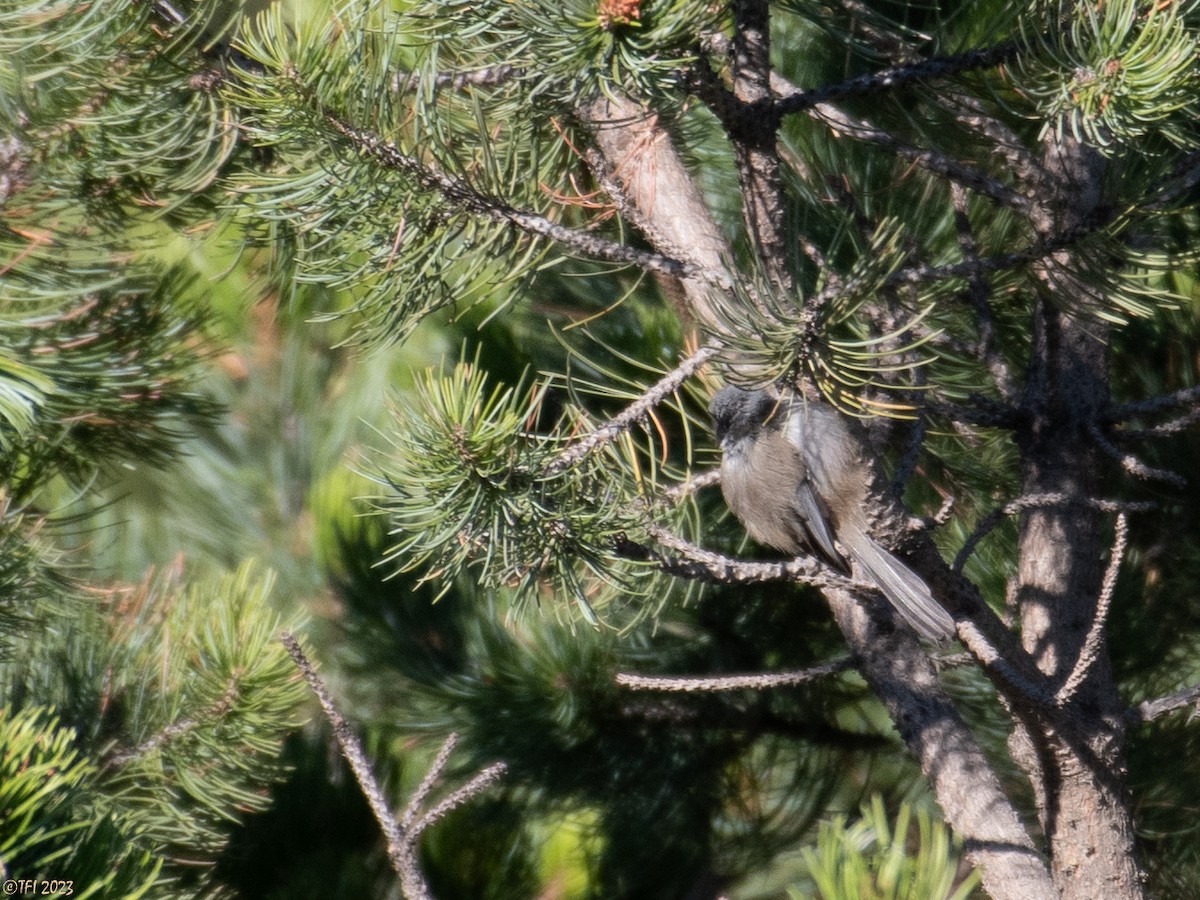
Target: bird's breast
{"x": 759, "y": 480}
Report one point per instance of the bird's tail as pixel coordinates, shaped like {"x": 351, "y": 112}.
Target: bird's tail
{"x": 903, "y": 587}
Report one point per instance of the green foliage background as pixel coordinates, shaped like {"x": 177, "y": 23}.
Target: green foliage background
{"x": 219, "y": 344}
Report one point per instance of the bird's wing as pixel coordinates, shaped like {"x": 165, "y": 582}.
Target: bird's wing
{"x": 815, "y": 518}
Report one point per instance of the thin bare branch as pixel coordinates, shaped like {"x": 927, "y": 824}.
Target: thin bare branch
{"x": 897, "y": 76}
{"x": 713, "y": 684}
{"x": 401, "y": 835}
{"x": 1093, "y": 643}
{"x": 1186, "y": 397}
{"x": 847, "y": 125}
{"x": 432, "y": 774}
{"x": 488, "y": 76}
{"x": 693, "y": 484}
{"x": 1149, "y": 710}
{"x": 479, "y": 783}
{"x": 1016, "y": 159}
{"x": 1131, "y": 463}
{"x": 179, "y": 727}
{"x": 699, "y": 564}
{"x": 355, "y": 757}
{"x": 731, "y": 111}
{"x": 1163, "y": 429}
{"x": 1039, "y": 501}
{"x": 754, "y": 139}
{"x": 1032, "y": 692}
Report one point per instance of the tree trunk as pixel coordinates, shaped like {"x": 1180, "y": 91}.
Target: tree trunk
{"x": 1073, "y": 755}
{"x": 966, "y": 786}
{"x": 1077, "y": 772}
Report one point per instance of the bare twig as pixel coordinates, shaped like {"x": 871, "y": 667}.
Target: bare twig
{"x": 847, "y": 125}
{"x": 402, "y": 835}
{"x": 1176, "y": 399}
{"x": 732, "y": 111}
{"x": 1090, "y": 651}
{"x": 1131, "y": 463}
{"x": 1039, "y": 501}
{"x": 1149, "y": 710}
{"x": 897, "y": 76}
{"x": 711, "y": 684}
{"x": 754, "y": 139}
{"x": 990, "y": 658}
{"x": 478, "y": 783}
{"x": 488, "y": 76}
{"x": 693, "y": 484}
{"x": 432, "y": 774}
{"x": 716, "y": 568}
{"x": 1163, "y": 429}
{"x": 179, "y": 727}
{"x": 633, "y": 413}
{"x": 352, "y": 751}
{"x": 1024, "y": 166}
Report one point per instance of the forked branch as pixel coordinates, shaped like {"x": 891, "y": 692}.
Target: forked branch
{"x": 402, "y": 833}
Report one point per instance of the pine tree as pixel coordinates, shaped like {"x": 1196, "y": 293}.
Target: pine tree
{"x": 969, "y": 227}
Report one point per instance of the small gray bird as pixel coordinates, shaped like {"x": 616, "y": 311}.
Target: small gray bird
{"x": 797, "y": 477}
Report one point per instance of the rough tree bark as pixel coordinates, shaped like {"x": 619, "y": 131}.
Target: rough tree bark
{"x": 1073, "y": 754}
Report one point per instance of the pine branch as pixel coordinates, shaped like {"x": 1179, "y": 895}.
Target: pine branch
{"x": 1185, "y": 397}
{"x": 478, "y": 783}
{"x": 895, "y": 77}
{"x": 732, "y": 112}
{"x": 354, "y": 755}
{"x": 754, "y": 140}
{"x": 1163, "y": 429}
{"x": 644, "y": 169}
{"x": 179, "y": 728}
{"x": 961, "y": 776}
{"x": 468, "y": 200}
{"x": 1016, "y": 159}
{"x": 633, "y": 413}
{"x": 487, "y": 76}
{"x": 979, "y": 296}
{"x": 1038, "y": 251}
{"x": 694, "y": 483}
